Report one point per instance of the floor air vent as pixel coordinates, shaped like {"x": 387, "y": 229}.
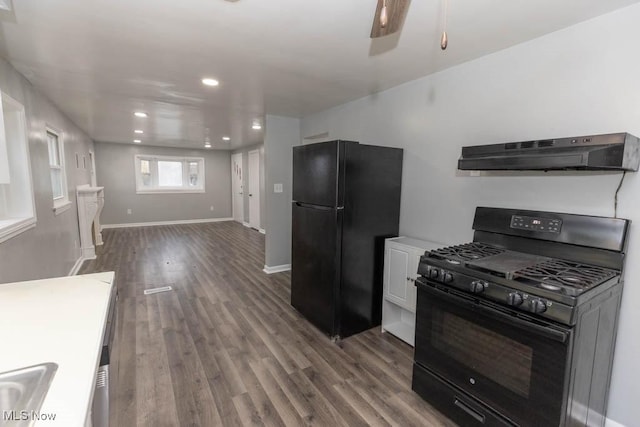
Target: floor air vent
{"x": 157, "y": 290}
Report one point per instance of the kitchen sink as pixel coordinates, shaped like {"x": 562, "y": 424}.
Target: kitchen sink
{"x": 24, "y": 389}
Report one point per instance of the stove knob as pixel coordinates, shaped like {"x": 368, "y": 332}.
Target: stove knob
{"x": 434, "y": 273}
{"x": 514, "y": 299}
{"x": 478, "y": 286}
{"x": 538, "y": 306}
{"x": 447, "y": 278}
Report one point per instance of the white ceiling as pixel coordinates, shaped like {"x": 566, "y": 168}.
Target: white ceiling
{"x": 100, "y": 60}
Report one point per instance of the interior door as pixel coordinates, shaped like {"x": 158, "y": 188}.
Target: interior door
{"x": 236, "y": 187}
{"x": 254, "y": 189}
{"x": 315, "y": 264}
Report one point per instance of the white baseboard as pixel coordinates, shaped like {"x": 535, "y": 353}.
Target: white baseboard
{"x": 261, "y": 230}
{"x": 276, "y": 268}
{"x": 76, "y": 266}
{"x": 152, "y": 224}
{"x": 610, "y": 423}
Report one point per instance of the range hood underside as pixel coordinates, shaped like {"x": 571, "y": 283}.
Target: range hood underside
{"x": 622, "y": 155}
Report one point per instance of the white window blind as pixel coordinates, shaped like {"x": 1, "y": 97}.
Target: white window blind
{"x": 164, "y": 174}
{"x": 55, "y": 166}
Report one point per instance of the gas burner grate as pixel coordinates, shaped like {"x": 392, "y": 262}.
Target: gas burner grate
{"x": 467, "y": 252}
{"x": 568, "y": 277}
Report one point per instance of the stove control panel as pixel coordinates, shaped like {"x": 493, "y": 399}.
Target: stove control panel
{"x": 537, "y": 305}
{"x": 516, "y": 299}
{"x": 478, "y": 286}
{"x": 548, "y": 225}
{"x": 527, "y": 302}
{"x": 438, "y": 274}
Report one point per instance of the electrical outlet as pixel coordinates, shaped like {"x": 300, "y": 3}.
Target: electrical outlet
{"x": 211, "y": 208}
{"x": 129, "y": 211}
{"x": 277, "y": 188}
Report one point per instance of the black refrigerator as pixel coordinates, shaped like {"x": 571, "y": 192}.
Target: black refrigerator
{"x": 346, "y": 201}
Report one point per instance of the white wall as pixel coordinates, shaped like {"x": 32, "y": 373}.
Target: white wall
{"x": 116, "y": 173}
{"x": 281, "y": 134}
{"x": 581, "y": 80}
{"x": 51, "y": 248}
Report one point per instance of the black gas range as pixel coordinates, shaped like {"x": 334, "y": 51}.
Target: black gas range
{"x": 518, "y": 327}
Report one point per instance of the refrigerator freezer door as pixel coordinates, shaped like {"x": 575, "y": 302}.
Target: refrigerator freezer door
{"x": 315, "y": 173}
{"x": 315, "y": 264}
{"x": 373, "y": 179}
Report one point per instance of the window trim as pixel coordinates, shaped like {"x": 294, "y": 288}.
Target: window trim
{"x": 60, "y": 204}
{"x": 140, "y": 189}
{"x": 12, "y": 227}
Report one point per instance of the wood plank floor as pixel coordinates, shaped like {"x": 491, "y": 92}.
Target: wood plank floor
{"x": 226, "y": 348}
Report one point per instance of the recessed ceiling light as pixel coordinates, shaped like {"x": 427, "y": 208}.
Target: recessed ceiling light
{"x": 210, "y": 82}
{"x": 138, "y": 131}
{"x": 256, "y": 126}
{"x": 140, "y": 114}
{"x": 207, "y": 145}
{"x": 137, "y": 141}
{"x": 226, "y": 138}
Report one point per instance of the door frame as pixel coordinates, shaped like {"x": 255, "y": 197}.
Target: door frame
{"x": 253, "y": 223}
{"x": 92, "y": 172}
{"x": 240, "y": 218}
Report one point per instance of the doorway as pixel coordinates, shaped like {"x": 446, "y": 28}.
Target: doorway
{"x": 236, "y": 187}
{"x": 254, "y": 189}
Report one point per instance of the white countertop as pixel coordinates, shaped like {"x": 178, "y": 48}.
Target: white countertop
{"x": 59, "y": 320}
{"x": 422, "y": 244}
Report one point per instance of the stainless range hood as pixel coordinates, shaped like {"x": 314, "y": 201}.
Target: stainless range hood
{"x": 615, "y": 151}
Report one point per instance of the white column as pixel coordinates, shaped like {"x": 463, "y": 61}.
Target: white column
{"x": 89, "y": 206}
{"x": 97, "y": 228}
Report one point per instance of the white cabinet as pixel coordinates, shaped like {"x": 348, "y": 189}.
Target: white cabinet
{"x": 401, "y": 258}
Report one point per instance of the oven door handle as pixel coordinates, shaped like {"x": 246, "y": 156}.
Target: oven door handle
{"x": 546, "y": 331}
{"x": 470, "y": 411}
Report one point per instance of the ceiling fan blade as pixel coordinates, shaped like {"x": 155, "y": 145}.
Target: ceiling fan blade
{"x": 396, "y": 11}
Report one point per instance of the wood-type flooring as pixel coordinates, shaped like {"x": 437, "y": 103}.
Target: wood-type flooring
{"x": 226, "y": 348}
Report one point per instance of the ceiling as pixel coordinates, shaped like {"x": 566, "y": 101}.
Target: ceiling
{"x": 101, "y": 60}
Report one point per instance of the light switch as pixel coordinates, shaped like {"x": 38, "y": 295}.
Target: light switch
{"x": 277, "y": 188}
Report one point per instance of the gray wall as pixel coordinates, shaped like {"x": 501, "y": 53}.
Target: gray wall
{"x": 116, "y": 173}
{"x": 577, "y": 81}
{"x": 51, "y": 248}
{"x": 281, "y": 134}
{"x": 245, "y": 182}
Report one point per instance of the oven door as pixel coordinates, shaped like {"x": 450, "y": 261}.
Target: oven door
{"x": 511, "y": 362}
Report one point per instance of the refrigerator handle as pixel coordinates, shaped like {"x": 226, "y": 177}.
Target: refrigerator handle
{"x": 318, "y": 207}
